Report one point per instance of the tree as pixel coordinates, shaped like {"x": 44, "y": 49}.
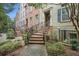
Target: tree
{"x": 3, "y": 19}
{"x": 5, "y": 8}
{"x": 9, "y": 23}
{"x": 73, "y": 14}
{"x": 8, "y": 7}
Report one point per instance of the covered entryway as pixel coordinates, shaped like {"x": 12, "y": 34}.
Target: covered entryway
{"x": 47, "y": 18}
{"x": 26, "y": 24}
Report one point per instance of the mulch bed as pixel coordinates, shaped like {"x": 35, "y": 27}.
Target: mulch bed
{"x": 70, "y": 52}
{"x": 16, "y": 52}
{"x": 12, "y": 53}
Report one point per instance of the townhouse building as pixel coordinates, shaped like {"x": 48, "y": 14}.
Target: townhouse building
{"x": 17, "y": 31}
{"x": 53, "y": 16}
{"x": 21, "y": 18}
{"x": 28, "y": 17}
{"x": 62, "y": 27}
{"x": 33, "y": 17}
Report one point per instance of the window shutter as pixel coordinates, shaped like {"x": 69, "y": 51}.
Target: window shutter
{"x": 59, "y": 15}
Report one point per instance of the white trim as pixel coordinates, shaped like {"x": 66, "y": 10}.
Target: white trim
{"x": 47, "y": 9}
{"x": 71, "y": 32}
{"x": 62, "y": 16}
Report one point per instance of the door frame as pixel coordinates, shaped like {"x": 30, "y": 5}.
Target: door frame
{"x": 47, "y": 17}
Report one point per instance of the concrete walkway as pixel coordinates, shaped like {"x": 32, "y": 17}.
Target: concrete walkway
{"x": 34, "y": 50}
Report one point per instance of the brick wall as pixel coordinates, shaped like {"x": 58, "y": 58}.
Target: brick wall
{"x": 31, "y": 16}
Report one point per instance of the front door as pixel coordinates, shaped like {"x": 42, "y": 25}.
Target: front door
{"x": 47, "y": 18}
{"x": 26, "y": 24}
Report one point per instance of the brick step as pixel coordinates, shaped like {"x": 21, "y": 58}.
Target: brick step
{"x": 37, "y": 39}
{"x": 40, "y": 31}
{"x": 37, "y": 36}
{"x": 36, "y": 42}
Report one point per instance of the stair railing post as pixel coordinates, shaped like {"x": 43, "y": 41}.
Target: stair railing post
{"x": 28, "y": 36}
{"x": 44, "y": 36}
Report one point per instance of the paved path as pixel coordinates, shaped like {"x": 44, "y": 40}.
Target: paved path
{"x": 34, "y": 50}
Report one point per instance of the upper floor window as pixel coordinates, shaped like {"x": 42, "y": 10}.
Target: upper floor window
{"x": 62, "y": 15}
{"x": 37, "y": 17}
{"x": 30, "y": 18}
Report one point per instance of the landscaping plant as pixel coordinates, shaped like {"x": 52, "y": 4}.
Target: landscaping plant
{"x": 26, "y": 36}
{"x": 8, "y": 47}
{"x": 10, "y": 34}
{"x": 55, "y": 49}
{"x": 74, "y": 44}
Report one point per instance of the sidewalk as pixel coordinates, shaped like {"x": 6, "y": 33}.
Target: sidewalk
{"x": 33, "y": 50}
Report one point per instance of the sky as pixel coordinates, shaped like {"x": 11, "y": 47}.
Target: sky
{"x": 12, "y": 14}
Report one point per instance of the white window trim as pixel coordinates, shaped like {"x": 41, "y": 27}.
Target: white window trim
{"x": 71, "y": 33}
{"x": 62, "y": 16}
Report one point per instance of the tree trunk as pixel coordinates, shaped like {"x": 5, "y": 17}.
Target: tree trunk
{"x": 76, "y": 28}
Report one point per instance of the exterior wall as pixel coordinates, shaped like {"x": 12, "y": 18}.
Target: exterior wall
{"x": 66, "y": 25}
{"x": 21, "y": 21}
{"x": 30, "y": 13}
{"x": 18, "y": 33}
{"x": 33, "y": 21}
{"x": 31, "y": 16}
{"x": 17, "y": 19}
{"x": 63, "y": 25}
{"x": 21, "y": 18}
{"x": 27, "y": 12}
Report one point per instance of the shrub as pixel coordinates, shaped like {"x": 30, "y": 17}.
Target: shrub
{"x": 74, "y": 44}
{"x": 55, "y": 49}
{"x": 55, "y": 39}
{"x": 10, "y": 34}
{"x": 9, "y": 47}
{"x": 26, "y": 37}
{"x": 3, "y": 42}
{"x": 48, "y": 35}
{"x": 5, "y": 48}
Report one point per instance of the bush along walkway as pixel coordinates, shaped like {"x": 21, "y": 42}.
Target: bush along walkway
{"x": 33, "y": 50}
{"x": 8, "y": 47}
{"x": 60, "y": 49}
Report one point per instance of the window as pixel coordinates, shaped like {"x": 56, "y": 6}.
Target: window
{"x": 37, "y": 17}
{"x": 23, "y": 22}
{"x": 63, "y": 34}
{"x": 73, "y": 36}
{"x": 62, "y": 15}
{"x": 67, "y": 35}
{"x": 30, "y": 18}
